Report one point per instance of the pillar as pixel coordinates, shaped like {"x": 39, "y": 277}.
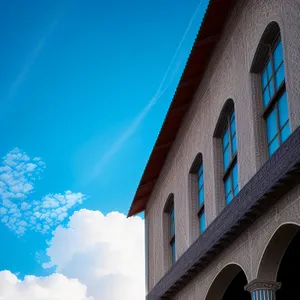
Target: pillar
{"x": 262, "y": 289}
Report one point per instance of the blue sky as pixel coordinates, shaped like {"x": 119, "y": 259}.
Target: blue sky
{"x": 77, "y": 84}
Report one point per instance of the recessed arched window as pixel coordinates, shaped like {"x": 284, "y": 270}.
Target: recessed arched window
{"x": 201, "y": 211}
{"x": 197, "y": 194}
{"x": 269, "y": 63}
{"x": 226, "y": 132}
{"x": 230, "y": 159}
{"x": 172, "y": 235}
{"x": 169, "y": 231}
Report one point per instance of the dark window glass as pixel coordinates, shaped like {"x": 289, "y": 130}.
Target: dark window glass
{"x": 172, "y": 235}
{"x": 173, "y": 250}
{"x": 172, "y": 223}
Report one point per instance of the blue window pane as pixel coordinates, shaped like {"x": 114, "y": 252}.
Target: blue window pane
{"x": 200, "y": 181}
{"x": 234, "y": 144}
{"x": 269, "y": 67}
{"x": 228, "y": 186}
{"x": 172, "y": 214}
{"x": 172, "y": 230}
{"x": 285, "y": 132}
{"x": 264, "y": 78}
{"x": 202, "y": 222}
{"x": 236, "y": 190}
{"x": 201, "y": 197}
{"x": 229, "y": 198}
{"x": 266, "y": 97}
{"x": 235, "y": 176}
{"x": 172, "y": 221}
{"x": 273, "y": 146}
{"x": 271, "y": 88}
{"x": 225, "y": 139}
{"x": 271, "y": 125}
{"x": 278, "y": 56}
{"x": 232, "y": 117}
{"x": 232, "y": 127}
{"x": 173, "y": 252}
{"x": 279, "y": 77}
{"x": 200, "y": 171}
{"x": 226, "y": 157}
{"x": 283, "y": 110}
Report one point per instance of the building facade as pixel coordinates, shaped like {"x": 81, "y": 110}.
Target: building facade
{"x": 221, "y": 191}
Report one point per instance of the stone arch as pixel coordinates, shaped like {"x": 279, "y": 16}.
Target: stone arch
{"x": 223, "y": 280}
{"x": 169, "y": 203}
{"x": 228, "y": 107}
{"x": 274, "y": 251}
{"x": 269, "y": 36}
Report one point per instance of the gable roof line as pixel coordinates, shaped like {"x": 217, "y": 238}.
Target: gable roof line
{"x": 206, "y": 40}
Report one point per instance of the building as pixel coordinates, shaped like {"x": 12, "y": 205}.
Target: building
{"x": 221, "y": 190}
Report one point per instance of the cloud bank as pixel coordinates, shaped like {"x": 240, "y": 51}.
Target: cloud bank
{"x": 53, "y": 287}
{"x": 105, "y": 253}
{"x": 96, "y": 257}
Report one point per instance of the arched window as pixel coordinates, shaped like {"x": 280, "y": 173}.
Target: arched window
{"x": 197, "y": 195}
{"x": 172, "y": 235}
{"x": 169, "y": 232}
{"x": 230, "y": 159}
{"x": 201, "y": 211}
{"x": 226, "y": 132}
{"x": 269, "y": 63}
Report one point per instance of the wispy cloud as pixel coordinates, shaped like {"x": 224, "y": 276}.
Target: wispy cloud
{"x": 18, "y": 173}
{"x": 165, "y": 83}
{"x": 22, "y": 75}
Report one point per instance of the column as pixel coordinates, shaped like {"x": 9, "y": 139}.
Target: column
{"x": 262, "y": 289}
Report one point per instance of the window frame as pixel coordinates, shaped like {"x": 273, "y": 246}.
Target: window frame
{"x": 278, "y": 92}
{"x": 228, "y": 172}
{"x": 172, "y": 239}
{"x": 282, "y": 88}
{"x": 201, "y": 207}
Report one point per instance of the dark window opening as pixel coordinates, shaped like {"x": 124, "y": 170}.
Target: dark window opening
{"x": 288, "y": 273}
{"x": 235, "y": 290}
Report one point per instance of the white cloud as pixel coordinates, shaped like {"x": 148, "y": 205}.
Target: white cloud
{"x": 18, "y": 173}
{"x": 106, "y": 253}
{"x": 53, "y": 287}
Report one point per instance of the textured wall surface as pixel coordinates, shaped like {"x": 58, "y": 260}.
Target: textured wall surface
{"x": 228, "y": 76}
{"x": 248, "y": 250}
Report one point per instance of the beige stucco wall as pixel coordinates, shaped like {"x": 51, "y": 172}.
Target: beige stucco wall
{"x": 248, "y": 249}
{"x": 228, "y": 76}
